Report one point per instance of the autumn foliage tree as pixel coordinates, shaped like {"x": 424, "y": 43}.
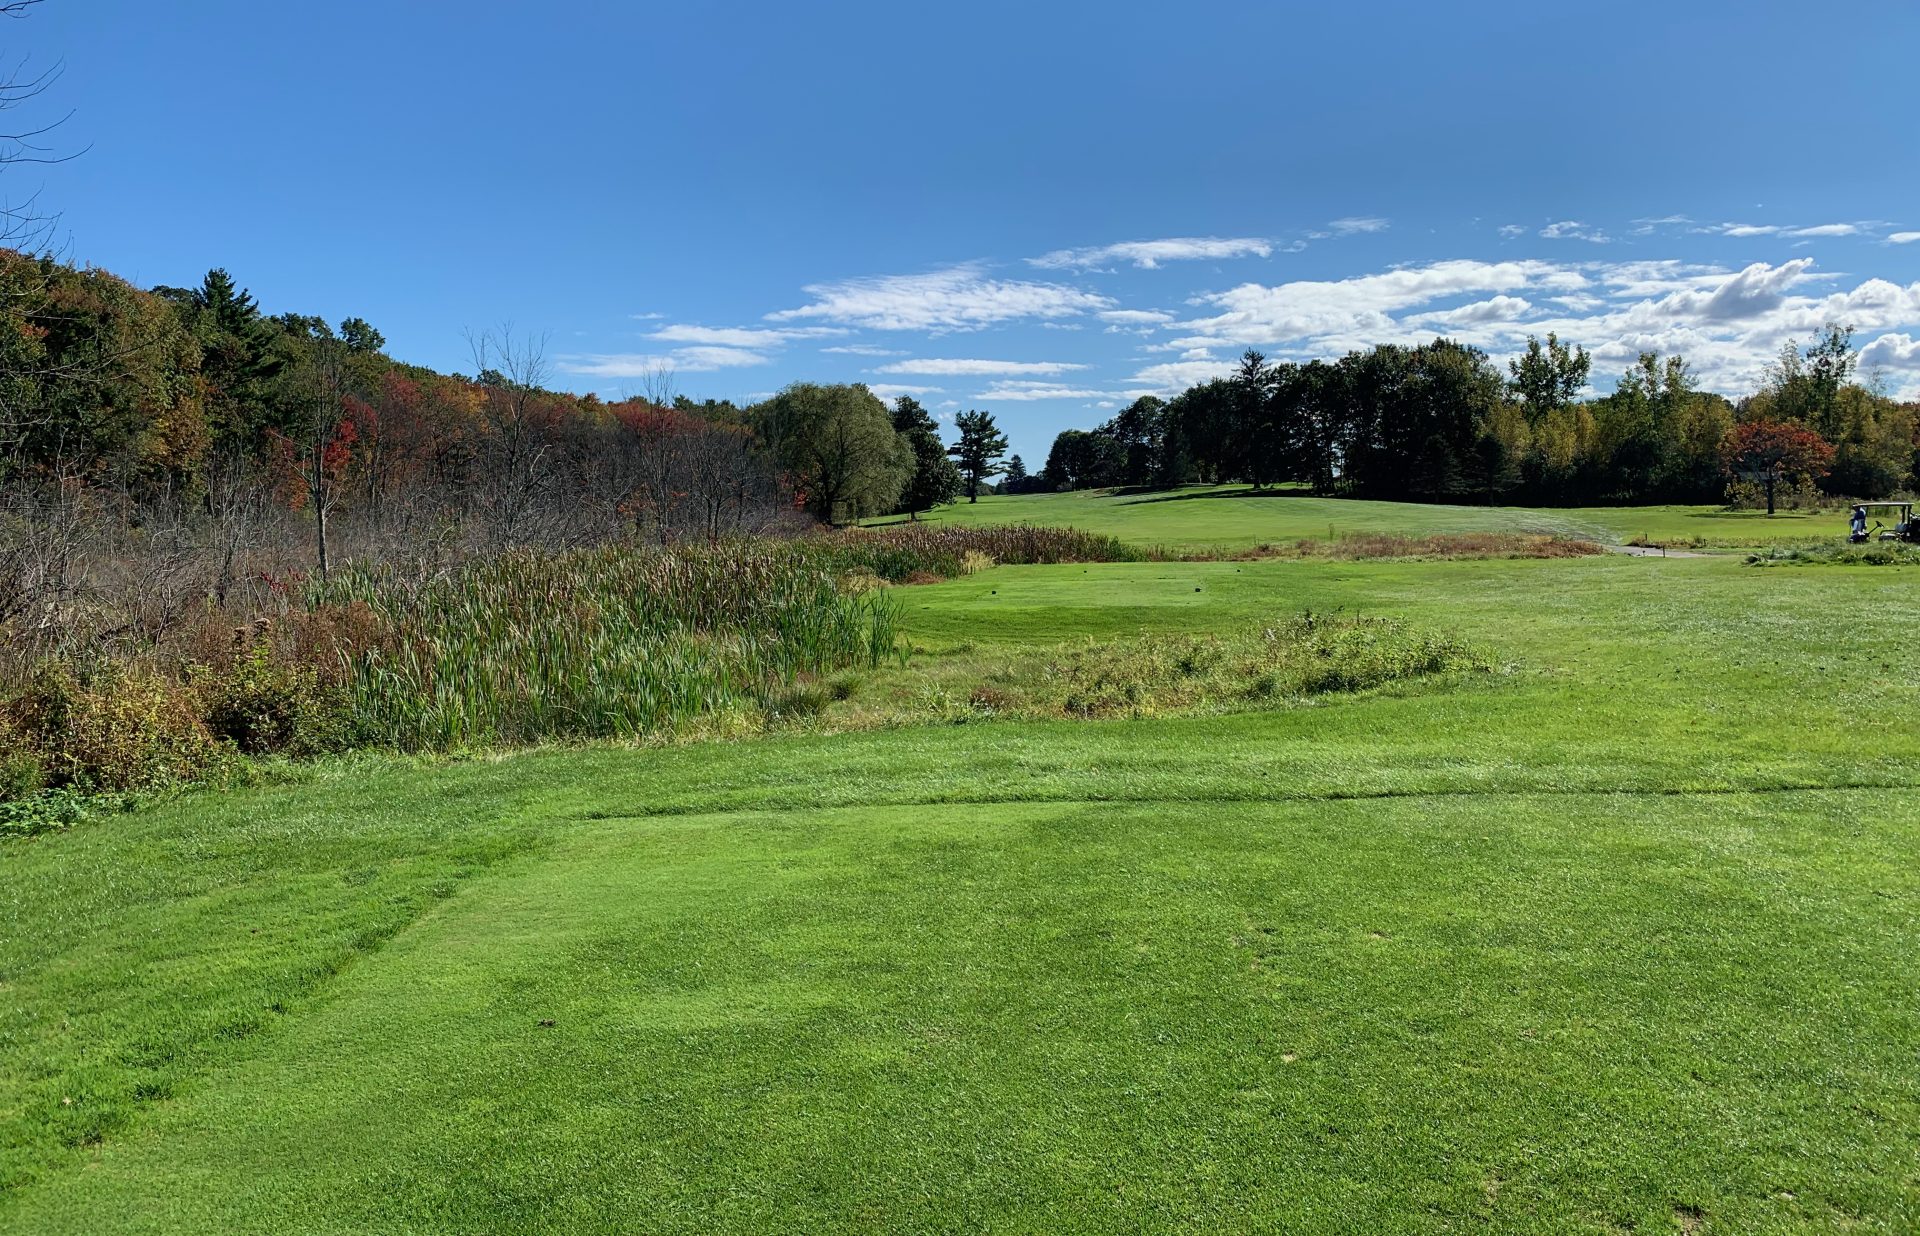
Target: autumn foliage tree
{"x": 1775, "y": 453}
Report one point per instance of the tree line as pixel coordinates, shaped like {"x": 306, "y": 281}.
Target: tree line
{"x": 187, "y": 430}
{"x": 1440, "y": 422}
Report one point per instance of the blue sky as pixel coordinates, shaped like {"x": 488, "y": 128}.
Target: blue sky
{"x": 1037, "y": 209}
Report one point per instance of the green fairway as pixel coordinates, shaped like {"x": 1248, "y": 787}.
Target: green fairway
{"x": 1616, "y": 936}
{"x": 1199, "y": 517}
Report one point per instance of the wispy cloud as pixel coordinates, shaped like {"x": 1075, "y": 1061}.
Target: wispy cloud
{"x": 1903, "y": 238}
{"x": 645, "y": 364}
{"x": 1511, "y": 230}
{"x": 861, "y": 349}
{"x": 890, "y": 390}
{"x": 1026, "y": 392}
{"x": 1573, "y": 229}
{"x": 738, "y": 337}
{"x": 1357, "y": 223}
{"x": 1148, "y": 254}
{"x": 958, "y": 298}
{"x": 943, "y": 367}
{"x": 1746, "y": 230}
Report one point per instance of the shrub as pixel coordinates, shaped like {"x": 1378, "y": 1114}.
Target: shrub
{"x": 20, "y": 770}
{"x": 116, "y": 727}
{"x": 265, "y": 706}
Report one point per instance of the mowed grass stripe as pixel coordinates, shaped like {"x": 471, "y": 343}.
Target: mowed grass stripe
{"x": 1536, "y": 1013}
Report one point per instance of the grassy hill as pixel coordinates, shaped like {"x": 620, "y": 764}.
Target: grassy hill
{"x": 1199, "y": 517}
{"x": 1616, "y": 935}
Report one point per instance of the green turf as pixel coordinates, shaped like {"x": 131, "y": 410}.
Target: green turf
{"x": 1199, "y": 517}
{"x": 1619, "y": 937}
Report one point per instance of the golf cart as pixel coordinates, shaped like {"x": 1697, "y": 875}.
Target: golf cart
{"x": 1903, "y": 527}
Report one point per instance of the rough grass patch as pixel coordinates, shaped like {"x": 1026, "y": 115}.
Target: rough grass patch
{"x": 1357, "y": 545}
{"x": 1150, "y": 675}
{"x": 1872, "y": 553}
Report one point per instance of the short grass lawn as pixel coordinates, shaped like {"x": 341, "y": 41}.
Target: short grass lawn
{"x": 1199, "y": 517}
{"x": 1618, "y": 935}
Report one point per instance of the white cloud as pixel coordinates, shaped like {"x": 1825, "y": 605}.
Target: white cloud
{"x": 648, "y": 317}
{"x": 1356, "y": 223}
{"x": 958, "y": 298}
{"x": 1173, "y": 377}
{"x": 1901, "y": 351}
{"x": 1749, "y": 294}
{"x": 1573, "y": 229}
{"x": 934, "y": 366}
{"x": 1511, "y": 230}
{"x": 1148, "y": 254}
{"x": 1141, "y": 317}
{"x": 1254, "y": 314}
{"x": 735, "y": 337}
{"x": 890, "y": 390}
{"x": 1903, "y": 238}
{"x": 1496, "y": 309}
{"x": 861, "y": 349}
{"x": 678, "y": 360}
{"x": 1023, "y": 392}
{"x": 1741, "y": 230}
{"x": 1728, "y": 323}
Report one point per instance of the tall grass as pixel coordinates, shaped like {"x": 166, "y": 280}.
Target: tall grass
{"x": 900, "y": 554}
{"x": 610, "y": 642}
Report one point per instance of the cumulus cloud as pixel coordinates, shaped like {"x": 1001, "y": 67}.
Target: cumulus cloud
{"x": 958, "y": 298}
{"x": 1903, "y": 238}
{"x": 943, "y": 367}
{"x": 1728, "y": 323}
{"x": 1494, "y": 309}
{"x": 1901, "y": 351}
{"x": 1148, "y": 254}
{"x": 1172, "y": 377}
{"x": 1254, "y": 314}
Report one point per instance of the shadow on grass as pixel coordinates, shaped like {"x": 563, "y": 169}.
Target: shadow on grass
{"x": 1139, "y": 496}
